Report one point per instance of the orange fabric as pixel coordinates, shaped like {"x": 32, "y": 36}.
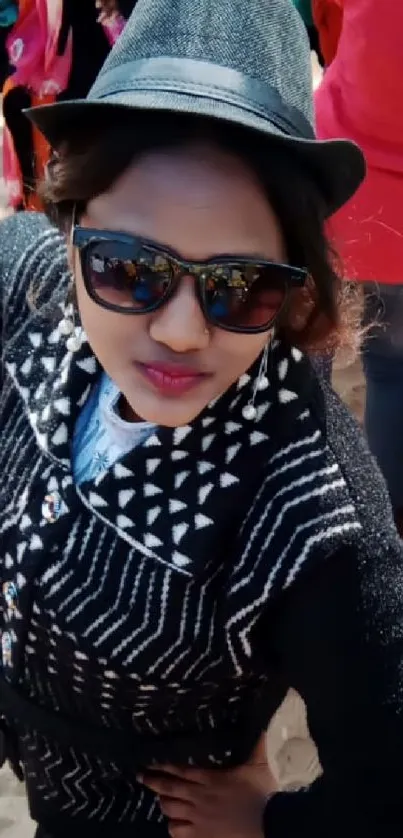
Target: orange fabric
{"x": 41, "y": 151}
{"x": 328, "y": 19}
{"x": 43, "y": 73}
{"x": 11, "y": 166}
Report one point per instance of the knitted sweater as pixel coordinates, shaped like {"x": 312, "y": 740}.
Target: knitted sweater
{"x": 159, "y": 613}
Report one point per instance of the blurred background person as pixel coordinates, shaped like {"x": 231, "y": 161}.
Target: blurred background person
{"x": 323, "y": 20}
{"x": 51, "y": 50}
{"x": 360, "y": 98}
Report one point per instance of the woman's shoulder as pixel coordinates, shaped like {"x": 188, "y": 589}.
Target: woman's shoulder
{"x": 33, "y": 257}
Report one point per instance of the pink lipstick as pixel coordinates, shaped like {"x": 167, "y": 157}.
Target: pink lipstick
{"x": 171, "y": 379}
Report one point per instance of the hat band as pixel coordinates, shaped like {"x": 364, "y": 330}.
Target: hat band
{"x": 203, "y": 79}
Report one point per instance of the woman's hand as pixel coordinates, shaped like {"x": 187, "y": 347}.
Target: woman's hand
{"x": 214, "y": 803}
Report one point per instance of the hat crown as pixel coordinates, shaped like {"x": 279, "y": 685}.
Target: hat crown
{"x": 264, "y": 39}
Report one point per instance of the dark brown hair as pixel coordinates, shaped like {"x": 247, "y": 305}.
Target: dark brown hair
{"x": 321, "y": 316}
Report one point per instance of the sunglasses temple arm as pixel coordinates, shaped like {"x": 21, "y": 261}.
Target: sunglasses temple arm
{"x": 73, "y": 224}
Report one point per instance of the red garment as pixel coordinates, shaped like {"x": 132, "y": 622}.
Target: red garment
{"x": 361, "y": 98}
{"x": 43, "y": 72}
{"x": 328, "y": 19}
{"x": 47, "y": 66}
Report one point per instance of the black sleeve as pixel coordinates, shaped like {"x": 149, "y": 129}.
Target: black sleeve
{"x": 338, "y": 638}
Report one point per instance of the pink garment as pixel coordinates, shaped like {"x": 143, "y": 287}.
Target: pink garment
{"x": 113, "y": 27}
{"x": 360, "y": 98}
{"x": 32, "y": 48}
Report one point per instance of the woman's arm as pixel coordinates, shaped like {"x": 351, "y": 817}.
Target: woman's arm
{"x": 31, "y": 251}
{"x": 338, "y": 636}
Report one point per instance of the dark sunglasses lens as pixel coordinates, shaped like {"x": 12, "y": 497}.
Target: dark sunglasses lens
{"x": 119, "y": 280}
{"x": 245, "y": 297}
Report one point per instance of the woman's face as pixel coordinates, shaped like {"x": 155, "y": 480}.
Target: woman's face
{"x": 201, "y": 203}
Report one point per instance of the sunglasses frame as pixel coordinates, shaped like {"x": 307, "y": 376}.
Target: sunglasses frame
{"x": 83, "y": 237}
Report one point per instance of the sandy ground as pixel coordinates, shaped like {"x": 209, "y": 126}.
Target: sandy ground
{"x": 291, "y": 752}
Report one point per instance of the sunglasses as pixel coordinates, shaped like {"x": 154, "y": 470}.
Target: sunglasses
{"x": 130, "y": 275}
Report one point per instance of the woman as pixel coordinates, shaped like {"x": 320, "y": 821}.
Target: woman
{"x": 357, "y": 99}
{"x": 189, "y": 523}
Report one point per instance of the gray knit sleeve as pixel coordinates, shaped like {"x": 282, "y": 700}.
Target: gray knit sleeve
{"x": 338, "y": 638}
{"x": 33, "y": 257}
{"x": 336, "y": 635}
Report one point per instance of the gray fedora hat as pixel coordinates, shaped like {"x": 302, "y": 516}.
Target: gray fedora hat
{"x": 243, "y": 61}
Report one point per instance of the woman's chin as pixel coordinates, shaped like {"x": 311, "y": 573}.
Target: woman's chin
{"x": 169, "y": 412}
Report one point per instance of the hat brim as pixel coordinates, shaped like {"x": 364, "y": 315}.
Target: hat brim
{"x": 337, "y": 166}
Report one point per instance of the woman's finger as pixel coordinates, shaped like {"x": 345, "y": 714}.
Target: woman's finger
{"x": 198, "y": 776}
{"x": 177, "y": 810}
{"x": 165, "y": 786}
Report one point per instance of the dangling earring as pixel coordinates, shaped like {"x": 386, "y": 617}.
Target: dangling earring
{"x": 66, "y": 324}
{"x": 68, "y": 329}
{"x": 261, "y": 383}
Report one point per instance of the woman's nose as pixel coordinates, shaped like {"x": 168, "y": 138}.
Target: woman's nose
{"x": 180, "y": 324}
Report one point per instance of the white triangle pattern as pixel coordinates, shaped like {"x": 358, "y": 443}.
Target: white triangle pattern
{"x": 179, "y": 455}
{"x": 178, "y": 504}
{"x": 178, "y": 531}
{"x": 202, "y": 521}
{"x": 125, "y": 496}
{"x": 177, "y": 497}
{"x": 152, "y": 465}
{"x": 153, "y": 514}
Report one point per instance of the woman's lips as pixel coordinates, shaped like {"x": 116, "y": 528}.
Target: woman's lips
{"x": 171, "y": 379}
